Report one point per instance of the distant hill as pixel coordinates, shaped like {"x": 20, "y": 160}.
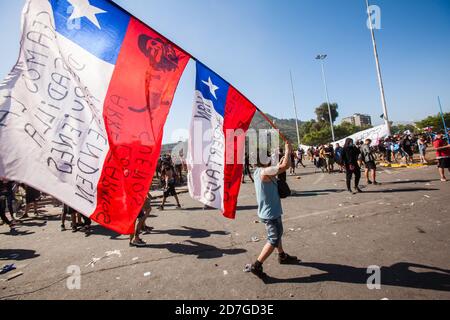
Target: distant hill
{"x": 286, "y": 126}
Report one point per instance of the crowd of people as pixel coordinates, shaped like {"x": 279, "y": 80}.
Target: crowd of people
{"x": 352, "y": 158}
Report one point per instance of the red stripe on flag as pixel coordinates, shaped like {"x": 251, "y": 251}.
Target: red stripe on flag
{"x": 140, "y": 94}
{"x": 239, "y": 112}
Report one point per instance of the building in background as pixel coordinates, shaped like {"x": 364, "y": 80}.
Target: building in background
{"x": 359, "y": 120}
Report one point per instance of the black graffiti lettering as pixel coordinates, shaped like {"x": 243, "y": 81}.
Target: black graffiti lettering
{"x": 72, "y": 130}
{"x": 47, "y": 121}
{"x": 33, "y": 133}
{"x": 112, "y": 113}
{"x": 84, "y": 194}
{"x": 98, "y": 135}
{"x": 112, "y": 173}
{"x": 28, "y": 79}
{"x": 90, "y": 151}
{"x": 64, "y": 141}
{"x": 16, "y": 107}
{"x": 212, "y": 174}
{"x": 203, "y": 112}
{"x": 80, "y": 106}
{"x": 65, "y": 156}
{"x": 49, "y": 25}
{"x": 103, "y": 217}
{"x": 72, "y": 117}
{"x": 58, "y": 89}
{"x": 209, "y": 196}
{"x": 65, "y": 168}
{"x": 85, "y": 168}
{"x": 34, "y": 57}
{"x": 118, "y": 101}
{"x": 138, "y": 187}
{"x": 138, "y": 200}
{"x": 107, "y": 184}
{"x": 38, "y": 38}
{"x": 75, "y": 64}
{"x": 143, "y": 162}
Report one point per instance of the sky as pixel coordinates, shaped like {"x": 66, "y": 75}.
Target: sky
{"x": 253, "y": 44}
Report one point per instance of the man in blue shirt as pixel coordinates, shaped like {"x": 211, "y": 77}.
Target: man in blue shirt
{"x": 270, "y": 211}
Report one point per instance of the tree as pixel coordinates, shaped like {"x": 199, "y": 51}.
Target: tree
{"x": 435, "y": 122}
{"x": 323, "y": 114}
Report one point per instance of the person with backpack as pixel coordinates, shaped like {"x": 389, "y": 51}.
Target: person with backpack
{"x": 369, "y": 162}
{"x": 270, "y": 211}
{"x": 350, "y": 157}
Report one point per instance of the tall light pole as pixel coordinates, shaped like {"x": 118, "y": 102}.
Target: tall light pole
{"x": 322, "y": 57}
{"x": 295, "y": 109}
{"x": 380, "y": 78}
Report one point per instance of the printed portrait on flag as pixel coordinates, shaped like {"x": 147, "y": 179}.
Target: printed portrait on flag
{"x": 82, "y": 112}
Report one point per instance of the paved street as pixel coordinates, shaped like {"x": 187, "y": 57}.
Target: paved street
{"x": 402, "y": 226}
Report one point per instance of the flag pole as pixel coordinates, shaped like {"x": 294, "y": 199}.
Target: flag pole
{"x": 272, "y": 124}
{"x": 443, "y": 119}
{"x": 197, "y": 60}
{"x": 295, "y": 109}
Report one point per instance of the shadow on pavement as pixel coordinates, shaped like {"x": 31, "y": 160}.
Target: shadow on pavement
{"x": 411, "y": 181}
{"x": 402, "y": 190}
{"x": 193, "y": 233}
{"x": 17, "y": 254}
{"x": 202, "y": 251}
{"x": 397, "y": 275}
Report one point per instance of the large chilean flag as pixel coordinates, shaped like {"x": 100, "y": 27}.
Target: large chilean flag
{"x": 220, "y": 120}
{"x": 83, "y": 110}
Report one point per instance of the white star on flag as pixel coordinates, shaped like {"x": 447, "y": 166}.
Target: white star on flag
{"x": 82, "y": 8}
{"x": 212, "y": 87}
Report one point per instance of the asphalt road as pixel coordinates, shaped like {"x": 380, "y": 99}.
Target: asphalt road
{"x": 402, "y": 226}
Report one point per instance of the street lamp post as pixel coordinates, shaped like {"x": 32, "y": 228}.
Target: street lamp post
{"x": 322, "y": 57}
{"x": 380, "y": 78}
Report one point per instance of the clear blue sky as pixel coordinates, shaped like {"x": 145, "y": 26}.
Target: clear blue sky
{"x": 254, "y": 43}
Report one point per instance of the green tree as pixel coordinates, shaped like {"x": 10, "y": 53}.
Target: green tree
{"x": 435, "y": 122}
{"x": 323, "y": 114}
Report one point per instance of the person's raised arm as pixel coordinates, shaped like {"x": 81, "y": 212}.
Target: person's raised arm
{"x": 283, "y": 166}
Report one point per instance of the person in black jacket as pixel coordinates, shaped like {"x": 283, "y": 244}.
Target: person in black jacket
{"x": 350, "y": 156}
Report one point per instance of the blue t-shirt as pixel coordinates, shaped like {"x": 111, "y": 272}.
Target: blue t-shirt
{"x": 269, "y": 202}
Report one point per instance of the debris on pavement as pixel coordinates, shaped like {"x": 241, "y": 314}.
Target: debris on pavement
{"x": 106, "y": 255}
{"x": 248, "y": 268}
{"x": 427, "y": 196}
{"x": 135, "y": 258}
{"x": 7, "y": 268}
{"x": 14, "y": 275}
{"x": 225, "y": 272}
{"x": 147, "y": 274}
{"x": 255, "y": 239}
{"x": 334, "y": 233}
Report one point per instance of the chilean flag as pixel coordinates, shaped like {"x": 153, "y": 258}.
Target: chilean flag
{"x": 82, "y": 112}
{"x": 221, "y": 117}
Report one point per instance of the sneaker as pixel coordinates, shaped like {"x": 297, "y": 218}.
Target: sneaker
{"x": 287, "y": 259}
{"x": 161, "y": 208}
{"x": 138, "y": 243}
{"x": 63, "y": 228}
{"x": 377, "y": 183}
{"x": 258, "y": 271}
{"x": 369, "y": 182}
{"x": 358, "y": 190}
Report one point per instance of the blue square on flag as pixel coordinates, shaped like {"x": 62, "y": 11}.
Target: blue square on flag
{"x": 98, "y": 26}
{"x": 212, "y": 87}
